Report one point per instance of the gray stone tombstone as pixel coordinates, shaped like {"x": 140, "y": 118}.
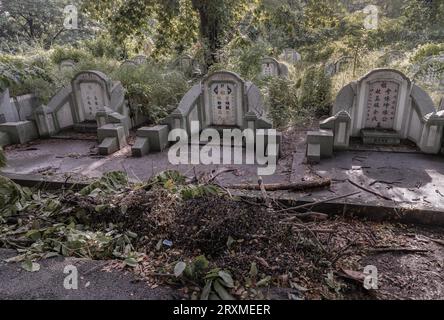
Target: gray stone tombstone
{"x": 140, "y": 59}
{"x": 383, "y": 107}
{"x": 290, "y": 56}
{"x": 8, "y": 112}
{"x": 270, "y": 67}
{"x": 92, "y": 94}
{"x": 67, "y": 65}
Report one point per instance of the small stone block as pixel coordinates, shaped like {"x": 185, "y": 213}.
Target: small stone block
{"x": 4, "y": 139}
{"x": 113, "y": 131}
{"x": 141, "y": 147}
{"x": 313, "y": 152}
{"x": 157, "y": 136}
{"x": 325, "y": 139}
{"x": 108, "y": 146}
{"x": 20, "y": 132}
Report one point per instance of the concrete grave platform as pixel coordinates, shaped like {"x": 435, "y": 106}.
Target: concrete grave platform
{"x": 388, "y": 181}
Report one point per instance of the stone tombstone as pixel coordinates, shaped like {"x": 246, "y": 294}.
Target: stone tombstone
{"x": 270, "y": 67}
{"x": 342, "y": 62}
{"x": 383, "y": 107}
{"x": 223, "y": 99}
{"x": 92, "y": 94}
{"x": 140, "y": 59}
{"x": 290, "y": 56}
{"x": 67, "y": 65}
{"x": 185, "y": 63}
{"x": 8, "y": 112}
{"x": 382, "y": 104}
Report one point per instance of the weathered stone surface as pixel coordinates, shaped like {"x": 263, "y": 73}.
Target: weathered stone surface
{"x": 386, "y": 100}
{"x": 313, "y": 152}
{"x": 324, "y": 138}
{"x": 113, "y": 131}
{"x": 108, "y": 146}
{"x": 141, "y": 147}
{"x": 20, "y": 132}
{"x": 4, "y": 139}
{"x": 8, "y": 111}
{"x": 157, "y": 137}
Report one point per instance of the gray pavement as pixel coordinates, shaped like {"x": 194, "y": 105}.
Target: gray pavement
{"x": 93, "y": 284}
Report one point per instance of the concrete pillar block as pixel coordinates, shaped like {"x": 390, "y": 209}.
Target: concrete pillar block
{"x": 20, "y": 132}
{"x": 141, "y": 147}
{"x": 157, "y": 137}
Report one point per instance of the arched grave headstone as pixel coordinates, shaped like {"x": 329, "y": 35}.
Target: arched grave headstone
{"x": 221, "y": 100}
{"x": 67, "y": 65}
{"x": 383, "y": 107}
{"x": 270, "y": 67}
{"x": 290, "y": 56}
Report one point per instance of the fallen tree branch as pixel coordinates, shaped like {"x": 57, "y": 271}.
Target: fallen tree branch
{"x": 299, "y": 186}
{"x": 397, "y": 249}
{"x": 368, "y": 190}
{"x": 312, "y": 204}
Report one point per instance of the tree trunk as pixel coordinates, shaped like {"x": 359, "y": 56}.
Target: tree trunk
{"x": 209, "y": 30}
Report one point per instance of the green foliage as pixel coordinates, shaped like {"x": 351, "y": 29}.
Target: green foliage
{"x": 427, "y": 50}
{"x": 316, "y": 91}
{"x": 110, "y": 182}
{"x": 153, "y": 89}
{"x": 104, "y": 47}
{"x": 282, "y": 100}
{"x": 26, "y": 76}
{"x": 67, "y": 53}
{"x": 2, "y": 158}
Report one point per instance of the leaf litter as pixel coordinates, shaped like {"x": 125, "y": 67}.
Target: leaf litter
{"x": 197, "y": 238}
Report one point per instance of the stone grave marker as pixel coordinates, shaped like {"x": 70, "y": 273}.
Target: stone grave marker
{"x": 67, "y": 65}
{"x": 383, "y": 107}
{"x": 270, "y": 67}
{"x": 290, "y": 56}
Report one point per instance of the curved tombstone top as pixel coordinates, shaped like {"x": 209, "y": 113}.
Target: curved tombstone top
{"x": 290, "y": 55}
{"x": 92, "y": 92}
{"x": 345, "y": 99}
{"x": 67, "y": 64}
{"x": 422, "y": 101}
{"x": 224, "y": 99}
{"x": 273, "y": 68}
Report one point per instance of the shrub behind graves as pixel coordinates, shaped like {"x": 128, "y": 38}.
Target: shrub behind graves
{"x": 153, "y": 89}
{"x": 315, "y": 91}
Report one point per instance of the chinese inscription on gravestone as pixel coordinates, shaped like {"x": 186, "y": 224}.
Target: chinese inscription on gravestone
{"x": 223, "y": 103}
{"x": 381, "y": 105}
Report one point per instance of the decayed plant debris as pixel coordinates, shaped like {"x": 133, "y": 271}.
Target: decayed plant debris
{"x": 169, "y": 230}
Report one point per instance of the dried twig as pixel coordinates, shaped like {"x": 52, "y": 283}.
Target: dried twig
{"x": 312, "y": 204}
{"x": 368, "y": 190}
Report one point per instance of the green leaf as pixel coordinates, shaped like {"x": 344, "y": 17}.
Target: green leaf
{"x": 226, "y": 277}
{"x": 33, "y": 234}
{"x": 30, "y": 266}
{"x": 253, "y": 270}
{"x": 264, "y": 282}
{"x": 179, "y": 268}
{"x": 131, "y": 262}
{"x": 206, "y": 290}
{"x": 230, "y": 242}
{"x": 221, "y": 291}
